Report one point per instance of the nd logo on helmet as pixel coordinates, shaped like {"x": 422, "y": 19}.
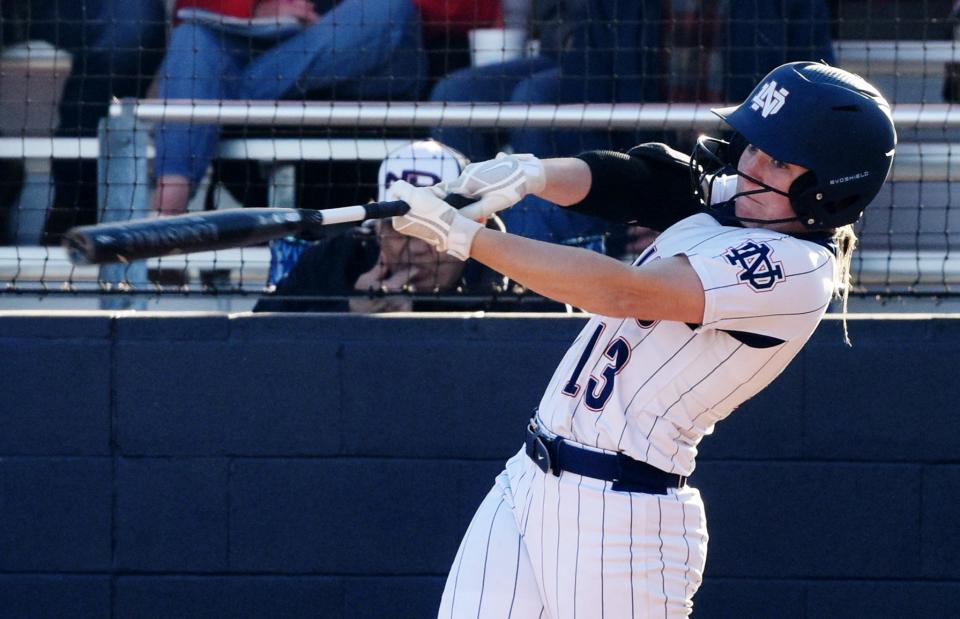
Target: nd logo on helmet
{"x": 769, "y": 100}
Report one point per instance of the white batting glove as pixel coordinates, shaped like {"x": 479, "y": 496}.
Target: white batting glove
{"x": 499, "y": 183}
{"x": 433, "y": 220}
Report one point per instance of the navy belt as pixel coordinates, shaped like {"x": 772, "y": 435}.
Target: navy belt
{"x": 554, "y": 455}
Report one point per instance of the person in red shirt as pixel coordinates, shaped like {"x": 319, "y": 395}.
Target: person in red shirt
{"x": 272, "y": 49}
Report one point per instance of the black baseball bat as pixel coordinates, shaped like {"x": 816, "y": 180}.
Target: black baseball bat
{"x": 207, "y": 231}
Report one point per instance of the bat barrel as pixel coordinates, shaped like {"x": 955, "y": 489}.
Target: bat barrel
{"x": 149, "y": 238}
{"x": 182, "y": 234}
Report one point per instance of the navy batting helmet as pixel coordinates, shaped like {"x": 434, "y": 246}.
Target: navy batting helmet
{"x": 825, "y": 119}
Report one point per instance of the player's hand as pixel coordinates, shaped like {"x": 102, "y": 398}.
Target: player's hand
{"x": 499, "y": 183}
{"x": 380, "y": 279}
{"x": 302, "y": 10}
{"x": 433, "y": 220}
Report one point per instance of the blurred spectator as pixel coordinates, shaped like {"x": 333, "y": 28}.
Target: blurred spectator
{"x": 375, "y": 259}
{"x": 614, "y": 51}
{"x": 951, "y": 78}
{"x": 11, "y": 181}
{"x": 350, "y": 50}
{"x": 649, "y": 50}
{"x": 446, "y": 24}
{"x": 526, "y": 80}
{"x": 116, "y": 47}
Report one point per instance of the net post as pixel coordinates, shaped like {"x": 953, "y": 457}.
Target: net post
{"x": 123, "y": 194}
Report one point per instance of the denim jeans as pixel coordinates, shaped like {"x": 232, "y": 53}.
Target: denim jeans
{"x": 524, "y": 80}
{"x": 535, "y": 218}
{"x": 362, "y": 49}
{"x": 116, "y": 46}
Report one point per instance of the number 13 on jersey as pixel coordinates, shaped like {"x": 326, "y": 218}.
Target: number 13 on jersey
{"x": 617, "y": 354}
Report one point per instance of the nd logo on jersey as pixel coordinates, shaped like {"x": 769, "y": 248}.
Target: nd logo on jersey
{"x": 769, "y": 100}
{"x": 759, "y": 271}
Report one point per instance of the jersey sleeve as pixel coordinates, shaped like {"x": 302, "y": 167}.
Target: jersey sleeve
{"x": 763, "y": 283}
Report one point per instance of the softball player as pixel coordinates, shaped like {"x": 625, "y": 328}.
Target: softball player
{"x": 594, "y": 517}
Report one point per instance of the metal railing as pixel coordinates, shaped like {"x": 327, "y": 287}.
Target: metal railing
{"x": 612, "y": 116}
{"x": 123, "y": 149}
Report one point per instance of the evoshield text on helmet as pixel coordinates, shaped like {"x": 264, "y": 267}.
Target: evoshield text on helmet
{"x": 830, "y": 121}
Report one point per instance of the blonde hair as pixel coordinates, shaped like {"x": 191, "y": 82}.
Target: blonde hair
{"x": 845, "y": 240}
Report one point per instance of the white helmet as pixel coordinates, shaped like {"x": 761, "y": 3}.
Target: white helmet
{"x": 422, "y": 163}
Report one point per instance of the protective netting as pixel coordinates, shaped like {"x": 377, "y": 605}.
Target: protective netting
{"x": 112, "y": 110}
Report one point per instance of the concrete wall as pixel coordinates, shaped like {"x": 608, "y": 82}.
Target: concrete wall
{"x": 295, "y": 466}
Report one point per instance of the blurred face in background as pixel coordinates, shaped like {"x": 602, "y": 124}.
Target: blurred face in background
{"x": 427, "y": 270}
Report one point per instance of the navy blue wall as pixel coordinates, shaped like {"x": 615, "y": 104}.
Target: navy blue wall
{"x": 304, "y": 466}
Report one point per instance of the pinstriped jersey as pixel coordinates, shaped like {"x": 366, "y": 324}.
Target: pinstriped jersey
{"x": 653, "y": 389}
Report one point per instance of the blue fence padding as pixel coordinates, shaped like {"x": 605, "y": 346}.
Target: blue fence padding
{"x": 882, "y": 401}
{"x": 172, "y": 515}
{"x": 248, "y": 466}
{"x": 940, "y": 542}
{"x": 403, "y": 597}
{"x": 795, "y": 599}
{"x": 812, "y": 520}
{"x": 750, "y": 598}
{"x": 55, "y": 514}
{"x": 216, "y": 597}
{"x": 519, "y": 328}
{"x": 929, "y": 600}
{"x": 54, "y": 596}
{"x": 329, "y": 597}
{"x": 173, "y": 327}
{"x": 477, "y": 408}
{"x": 228, "y": 398}
{"x": 55, "y": 398}
{"x": 57, "y": 326}
{"x": 351, "y": 516}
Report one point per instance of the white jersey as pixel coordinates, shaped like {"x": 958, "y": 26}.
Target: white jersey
{"x": 653, "y": 389}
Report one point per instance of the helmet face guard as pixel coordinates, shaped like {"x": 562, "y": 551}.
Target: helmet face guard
{"x": 827, "y": 120}
{"x": 713, "y": 158}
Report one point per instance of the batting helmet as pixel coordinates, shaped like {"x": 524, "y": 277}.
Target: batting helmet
{"x": 825, "y": 119}
{"x": 421, "y": 163}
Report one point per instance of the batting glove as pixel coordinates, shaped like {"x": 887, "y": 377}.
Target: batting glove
{"x": 498, "y": 183}
{"x": 433, "y": 220}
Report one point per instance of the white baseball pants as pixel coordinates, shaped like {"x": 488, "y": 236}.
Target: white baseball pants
{"x": 569, "y": 546}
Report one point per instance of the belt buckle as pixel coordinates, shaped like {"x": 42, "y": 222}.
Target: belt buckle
{"x": 541, "y": 455}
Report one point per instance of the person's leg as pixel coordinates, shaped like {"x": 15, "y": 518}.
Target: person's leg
{"x": 373, "y": 47}
{"x": 616, "y": 554}
{"x": 200, "y": 64}
{"x": 486, "y": 84}
{"x": 116, "y": 46}
{"x": 118, "y": 52}
{"x": 536, "y": 218}
{"x": 491, "y": 576}
{"x": 549, "y": 87}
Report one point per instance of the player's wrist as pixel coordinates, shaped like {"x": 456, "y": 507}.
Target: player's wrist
{"x": 461, "y": 235}
{"x": 534, "y": 173}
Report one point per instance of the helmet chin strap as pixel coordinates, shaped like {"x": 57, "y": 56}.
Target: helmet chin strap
{"x": 725, "y": 212}
{"x": 727, "y": 208}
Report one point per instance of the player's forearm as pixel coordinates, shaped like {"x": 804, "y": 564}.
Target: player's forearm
{"x": 568, "y": 180}
{"x": 581, "y": 278}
